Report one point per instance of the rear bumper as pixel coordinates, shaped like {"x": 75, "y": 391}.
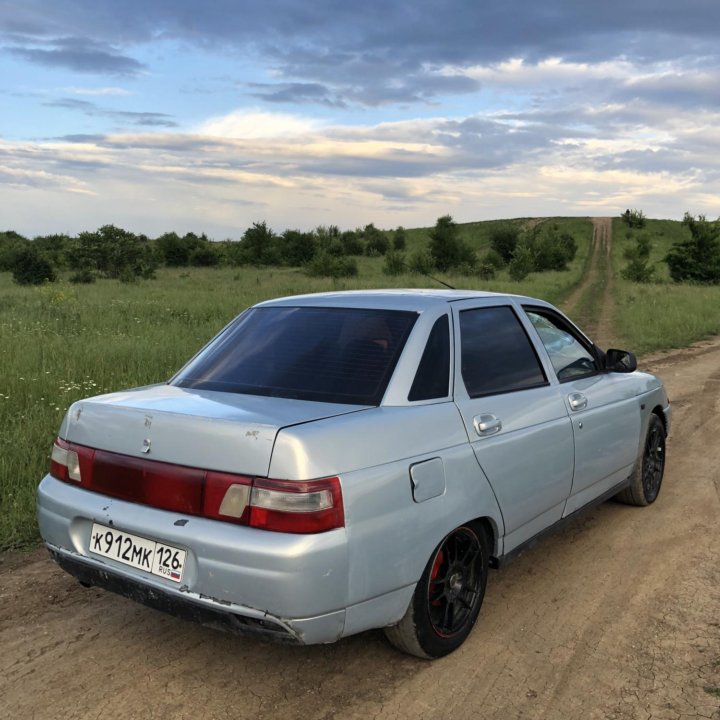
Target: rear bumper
{"x": 185, "y": 605}
{"x": 291, "y": 587}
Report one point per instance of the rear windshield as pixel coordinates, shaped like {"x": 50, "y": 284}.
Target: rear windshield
{"x": 338, "y": 355}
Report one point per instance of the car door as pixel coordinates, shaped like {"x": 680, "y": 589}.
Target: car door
{"x": 515, "y": 418}
{"x": 603, "y": 407}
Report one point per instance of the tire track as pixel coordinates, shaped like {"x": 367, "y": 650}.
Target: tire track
{"x": 592, "y": 303}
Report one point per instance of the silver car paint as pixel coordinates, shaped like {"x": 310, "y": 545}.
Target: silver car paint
{"x": 325, "y": 586}
{"x": 197, "y": 428}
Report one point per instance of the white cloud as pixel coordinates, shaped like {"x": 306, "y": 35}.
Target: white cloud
{"x": 96, "y": 91}
{"x": 254, "y": 124}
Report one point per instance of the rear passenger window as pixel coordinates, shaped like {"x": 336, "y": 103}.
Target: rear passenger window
{"x": 433, "y": 374}
{"x": 496, "y": 354}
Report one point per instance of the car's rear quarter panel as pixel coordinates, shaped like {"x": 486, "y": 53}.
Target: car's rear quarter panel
{"x": 390, "y": 536}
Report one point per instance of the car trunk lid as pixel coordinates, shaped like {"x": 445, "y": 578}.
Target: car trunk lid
{"x": 196, "y": 428}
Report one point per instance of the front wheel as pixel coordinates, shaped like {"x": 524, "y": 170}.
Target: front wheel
{"x": 447, "y": 599}
{"x": 648, "y": 474}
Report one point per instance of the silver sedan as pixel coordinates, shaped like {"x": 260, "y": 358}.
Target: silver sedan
{"x": 338, "y": 462}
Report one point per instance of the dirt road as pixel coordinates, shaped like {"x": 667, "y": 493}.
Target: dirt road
{"x": 591, "y": 303}
{"x": 618, "y": 616}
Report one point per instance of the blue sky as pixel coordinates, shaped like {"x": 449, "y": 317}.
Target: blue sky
{"x": 180, "y": 115}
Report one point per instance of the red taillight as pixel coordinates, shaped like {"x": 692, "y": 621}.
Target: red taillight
{"x": 297, "y": 507}
{"x": 279, "y": 505}
{"x": 158, "y": 484}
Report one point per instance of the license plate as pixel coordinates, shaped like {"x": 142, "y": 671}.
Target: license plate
{"x": 154, "y": 557}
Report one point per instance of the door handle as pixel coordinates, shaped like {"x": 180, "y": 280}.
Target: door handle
{"x": 577, "y": 401}
{"x": 486, "y": 425}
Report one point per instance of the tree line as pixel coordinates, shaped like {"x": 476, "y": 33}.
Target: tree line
{"x": 693, "y": 259}
{"x": 112, "y": 252}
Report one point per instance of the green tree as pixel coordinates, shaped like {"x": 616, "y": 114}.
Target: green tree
{"x": 113, "y": 253}
{"x": 504, "y": 240}
{"x": 11, "y": 243}
{"x": 376, "y": 243}
{"x": 697, "y": 258}
{"x": 399, "y": 238}
{"x": 352, "y": 243}
{"x": 638, "y": 256}
{"x": 523, "y": 262}
{"x": 31, "y": 268}
{"x": 54, "y": 248}
{"x": 297, "y": 248}
{"x": 205, "y": 254}
{"x": 174, "y": 251}
{"x": 633, "y": 218}
{"x": 552, "y": 249}
{"x": 259, "y": 245}
{"x": 447, "y": 249}
{"x": 394, "y": 262}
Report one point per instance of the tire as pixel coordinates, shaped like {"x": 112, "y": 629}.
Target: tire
{"x": 647, "y": 476}
{"x": 448, "y": 596}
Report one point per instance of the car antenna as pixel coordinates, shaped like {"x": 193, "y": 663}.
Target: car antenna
{"x": 428, "y": 275}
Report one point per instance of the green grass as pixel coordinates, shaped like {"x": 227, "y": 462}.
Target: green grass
{"x": 662, "y": 314}
{"x": 62, "y": 342}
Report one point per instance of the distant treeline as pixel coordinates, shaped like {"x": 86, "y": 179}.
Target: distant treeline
{"x": 111, "y": 252}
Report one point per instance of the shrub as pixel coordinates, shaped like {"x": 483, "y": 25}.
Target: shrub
{"x": 637, "y": 269}
{"x": 522, "y": 264}
{"x": 485, "y": 270}
{"x": 493, "y": 258}
{"x": 83, "y": 276}
{"x": 504, "y": 240}
{"x": 552, "y": 249}
{"x": 31, "y": 268}
{"x": 399, "y": 238}
{"x": 114, "y": 253}
{"x": 297, "y": 248}
{"x": 634, "y": 218}
{"x": 697, "y": 258}
{"x": 421, "y": 262}
{"x": 447, "y": 249}
{"x": 352, "y": 243}
{"x": 205, "y": 255}
{"x": 375, "y": 241}
{"x": 394, "y": 263}
{"x": 324, "y": 265}
{"x": 10, "y": 244}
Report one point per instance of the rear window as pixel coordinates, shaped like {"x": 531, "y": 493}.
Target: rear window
{"x": 338, "y": 355}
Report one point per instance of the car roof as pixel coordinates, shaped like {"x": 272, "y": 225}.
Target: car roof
{"x": 391, "y": 299}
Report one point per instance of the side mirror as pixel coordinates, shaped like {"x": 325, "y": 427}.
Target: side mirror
{"x": 620, "y": 361}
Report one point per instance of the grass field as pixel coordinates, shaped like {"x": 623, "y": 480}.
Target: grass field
{"x": 62, "y": 342}
{"x": 662, "y": 314}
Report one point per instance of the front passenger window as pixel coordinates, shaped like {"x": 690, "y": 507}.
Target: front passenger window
{"x": 570, "y": 359}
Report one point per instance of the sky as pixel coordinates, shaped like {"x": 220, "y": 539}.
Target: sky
{"x": 168, "y": 115}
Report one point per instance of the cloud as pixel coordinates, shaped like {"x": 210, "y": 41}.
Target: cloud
{"x": 337, "y": 54}
{"x": 98, "y": 91}
{"x": 147, "y": 119}
{"x": 293, "y": 170}
{"x": 296, "y": 93}
{"x": 253, "y": 124}
{"x": 81, "y": 55}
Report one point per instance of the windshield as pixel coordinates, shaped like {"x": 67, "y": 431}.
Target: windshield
{"x": 338, "y": 355}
